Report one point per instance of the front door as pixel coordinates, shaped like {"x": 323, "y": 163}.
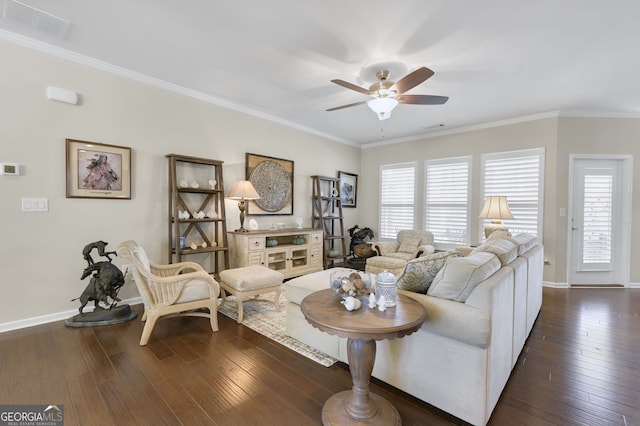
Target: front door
{"x": 599, "y": 214}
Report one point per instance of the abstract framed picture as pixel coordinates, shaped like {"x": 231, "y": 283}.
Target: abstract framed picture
{"x": 348, "y": 189}
{"x": 273, "y": 180}
{"x": 97, "y": 170}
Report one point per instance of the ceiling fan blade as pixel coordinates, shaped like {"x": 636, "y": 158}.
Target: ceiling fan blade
{"x": 412, "y": 79}
{"x": 351, "y": 86}
{"x": 423, "y": 99}
{"x": 347, "y": 106}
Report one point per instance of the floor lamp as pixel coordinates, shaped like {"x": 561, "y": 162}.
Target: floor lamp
{"x": 242, "y": 190}
{"x": 495, "y": 208}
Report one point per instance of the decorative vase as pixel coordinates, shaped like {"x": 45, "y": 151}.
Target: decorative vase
{"x": 386, "y": 288}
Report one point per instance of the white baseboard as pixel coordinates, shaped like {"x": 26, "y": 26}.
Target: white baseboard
{"x": 554, "y": 285}
{"x": 44, "y": 319}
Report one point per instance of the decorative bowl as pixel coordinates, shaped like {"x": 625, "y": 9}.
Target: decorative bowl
{"x": 271, "y": 242}
{"x": 350, "y": 283}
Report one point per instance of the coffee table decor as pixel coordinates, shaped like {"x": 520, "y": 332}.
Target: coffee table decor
{"x": 355, "y": 284}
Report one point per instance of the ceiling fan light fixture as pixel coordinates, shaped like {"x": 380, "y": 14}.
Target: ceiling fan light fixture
{"x": 382, "y": 107}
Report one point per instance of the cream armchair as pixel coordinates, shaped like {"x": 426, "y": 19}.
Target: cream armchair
{"x": 170, "y": 290}
{"x": 409, "y": 244}
{"x": 394, "y": 255}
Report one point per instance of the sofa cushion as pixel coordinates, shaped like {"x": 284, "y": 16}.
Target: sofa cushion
{"x": 298, "y": 288}
{"x": 419, "y": 273}
{"x": 525, "y": 242}
{"x": 460, "y": 275}
{"x": 402, "y": 256}
{"x": 499, "y": 235}
{"x": 505, "y": 250}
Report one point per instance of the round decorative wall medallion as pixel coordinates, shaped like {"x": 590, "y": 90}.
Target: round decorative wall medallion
{"x": 273, "y": 184}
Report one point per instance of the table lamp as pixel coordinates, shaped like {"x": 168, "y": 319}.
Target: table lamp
{"x": 495, "y": 208}
{"x": 242, "y": 190}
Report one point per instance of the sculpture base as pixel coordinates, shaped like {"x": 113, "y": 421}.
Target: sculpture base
{"x": 101, "y": 316}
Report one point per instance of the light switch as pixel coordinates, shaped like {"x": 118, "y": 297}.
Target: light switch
{"x": 563, "y": 212}
{"x": 35, "y": 204}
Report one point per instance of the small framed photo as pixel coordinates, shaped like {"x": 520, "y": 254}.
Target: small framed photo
{"x": 97, "y": 170}
{"x": 348, "y": 189}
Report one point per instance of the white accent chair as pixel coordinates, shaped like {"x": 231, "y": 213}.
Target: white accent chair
{"x": 167, "y": 290}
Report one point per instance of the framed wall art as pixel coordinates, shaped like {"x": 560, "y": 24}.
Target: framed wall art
{"x": 97, "y": 170}
{"x": 273, "y": 179}
{"x": 348, "y": 189}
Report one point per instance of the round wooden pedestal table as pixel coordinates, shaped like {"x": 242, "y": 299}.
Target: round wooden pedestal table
{"x": 362, "y": 328}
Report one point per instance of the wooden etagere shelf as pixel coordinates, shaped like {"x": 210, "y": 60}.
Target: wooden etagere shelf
{"x": 211, "y": 230}
{"x": 327, "y": 215}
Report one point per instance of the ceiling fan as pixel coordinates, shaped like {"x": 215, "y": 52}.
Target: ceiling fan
{"x": 388, "y": 94}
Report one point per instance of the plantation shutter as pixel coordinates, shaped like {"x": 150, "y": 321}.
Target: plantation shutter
{"x": 397, "y": 198}
{"x": 519, "y": 176}
{"x": 447, "y": 200}
{"x": 598, "y": 219}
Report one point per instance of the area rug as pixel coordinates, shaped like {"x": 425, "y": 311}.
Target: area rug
{"x": 261, "y": 316}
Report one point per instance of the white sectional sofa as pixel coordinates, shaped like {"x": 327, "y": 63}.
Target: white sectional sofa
{"x": 461, "y": 358}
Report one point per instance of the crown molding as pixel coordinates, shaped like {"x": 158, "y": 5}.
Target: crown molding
{"x": 77, "y": 58}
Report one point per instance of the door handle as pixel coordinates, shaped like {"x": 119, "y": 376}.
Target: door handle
{"x": 573, "y": 228}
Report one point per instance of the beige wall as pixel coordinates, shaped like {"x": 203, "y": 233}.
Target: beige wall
{"x": 559, "y": 136}
{"x": 41, "y": 253}
{"x": 597, "y": 136}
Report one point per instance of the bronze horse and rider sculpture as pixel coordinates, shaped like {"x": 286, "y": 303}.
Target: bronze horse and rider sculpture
{"x": 358, "y": 247}
{"x": 106, "y": 281}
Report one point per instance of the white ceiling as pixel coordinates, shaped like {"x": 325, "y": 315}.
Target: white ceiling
{"x": 495, "y": 59}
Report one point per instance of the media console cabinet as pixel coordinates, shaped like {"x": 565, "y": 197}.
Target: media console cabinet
{"x": 292, "y": 252}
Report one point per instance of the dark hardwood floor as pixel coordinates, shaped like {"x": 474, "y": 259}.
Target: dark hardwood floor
{"x": 580, "y": 366}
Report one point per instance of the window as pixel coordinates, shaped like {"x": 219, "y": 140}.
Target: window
{"x": 597, "y": 223}
{"x": 397, "y": 198}
{"x": 447, "y": 199}
{"x": 519, "y": 175}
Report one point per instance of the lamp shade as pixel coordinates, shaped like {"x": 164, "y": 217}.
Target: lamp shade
{"x": 496, "y": 207}
{"x": 382, "y": 107}
{"x": 243, "y": 190}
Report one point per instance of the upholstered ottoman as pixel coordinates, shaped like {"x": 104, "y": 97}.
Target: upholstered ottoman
{"x": 378, "y": 264}
{"x": 250, "y": 281}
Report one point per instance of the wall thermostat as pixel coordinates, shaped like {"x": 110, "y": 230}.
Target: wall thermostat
{"x": 12, "y": 169}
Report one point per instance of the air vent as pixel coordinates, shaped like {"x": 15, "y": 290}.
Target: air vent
{"x": 35, "y": 19}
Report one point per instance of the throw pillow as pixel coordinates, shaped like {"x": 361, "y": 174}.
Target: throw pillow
{"x": 419, "y": 273}
{"x": 504, "y": 249}
{"x": 501, "y": 235}
{"x": 409, "y": 244}
{"x": 460, "y": 275}
{"x": 525, "y": 242}
{"x": 426, "y": 249}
